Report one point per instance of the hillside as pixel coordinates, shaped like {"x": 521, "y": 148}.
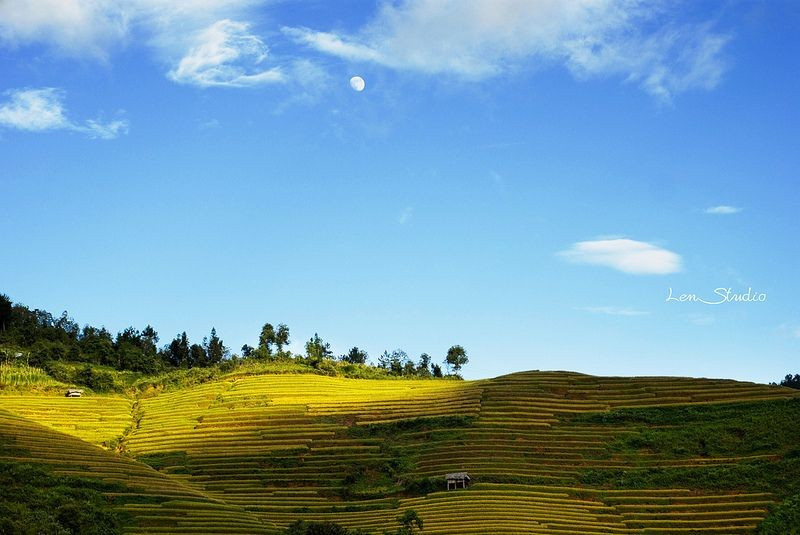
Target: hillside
{"x": 548, "y": 452}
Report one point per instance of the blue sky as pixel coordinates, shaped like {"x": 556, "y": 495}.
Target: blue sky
{"x": 527, "y": 179}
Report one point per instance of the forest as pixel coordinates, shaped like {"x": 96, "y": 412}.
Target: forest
{"x": 38, "y": 338}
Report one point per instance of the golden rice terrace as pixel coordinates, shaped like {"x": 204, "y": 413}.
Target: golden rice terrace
{"x": 546, "y": 452}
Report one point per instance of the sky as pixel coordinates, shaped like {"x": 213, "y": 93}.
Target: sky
{"x": 529, "y": 179}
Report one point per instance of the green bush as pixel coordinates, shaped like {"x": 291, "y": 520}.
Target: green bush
{"x": 34, "y": 501}
{"x": 783, "y": 519}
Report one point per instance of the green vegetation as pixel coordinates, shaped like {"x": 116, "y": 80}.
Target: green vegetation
{"x": 89, "y": 356}
{"x": 784, "y": 519}
{"x": 791, "y": 381}
{"x": 707, "y": 430}
{"x": 24, "y": 377}
{"x": 33, "y": 501}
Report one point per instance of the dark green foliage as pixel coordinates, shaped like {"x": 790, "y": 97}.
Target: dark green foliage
{"x": 779, "y": 477}
{"x": 393, "y": 429}
{"x": 215, "y": 349}
{"x": 732, "y": 429}
{"x": 265, "y": 341}
{"x": 355, "y": 356}
{"x": 317, "y": 350}
{"x": 390, "y": 475}
{"x": 783, "y": 519}
{"x": 5, "y": 312}
{"x": 436, "y": 370}
{"x": 178, "y": 353}
{"x": 707, "y": 430}
{"x": 371, "y": 480}
{"x": 424, "y": 365}
{"x": 456, "y": 358}
{"x": 301, "y": 527}
{"x": 409, "y": 521}
{"x": 39, "y": 339}
{"x": 96, "y": 380}
{"x": 423, "y": 486}
{"x": 94, "y": 377}
{"x": 160, "y": 461}
{"x": 791, "y": 382}
{"x": 198, "y": 358}
{"x": 281, "y": 338}
{"x": 96, "y": 346}
{"x": 34, "y": 501}
{"x": 397, "y": 363}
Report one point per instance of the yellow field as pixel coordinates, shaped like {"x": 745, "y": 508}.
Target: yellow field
{"x": 270, "y": 449}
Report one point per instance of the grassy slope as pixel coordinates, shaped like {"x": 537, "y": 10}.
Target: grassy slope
{"x": 549, "y": 452}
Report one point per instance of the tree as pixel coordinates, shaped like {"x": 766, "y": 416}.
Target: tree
{"x": 215, "y": 349}
{"x": 281, "y": 337}
{"x": 791, "y": 382}
{"x": 6, "y": 306}
{"x": 424, "y": 365}
{"x": 436, "y": 370}
{"x": 456, "y": 358}
{"x": 317, "y": 350}
{"x": 198, "y": 356}
{"x": 408, "y": 521}
{"x": 247, "y": 350}
{"x": 355, "y": 356}
{"x": 384, "y": 360}
{"x": 395, "y": 361}
{"x": 266, "y": 340}
{"x": 68, "y": 325}
{"x": 149, "y": 339}
{"x": 178, "y": 351}
{"x": 302, "y": 527}
{"x": 96, "y": 345}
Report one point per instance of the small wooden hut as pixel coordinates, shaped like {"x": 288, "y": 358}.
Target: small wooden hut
{"x": 457, "y": 480}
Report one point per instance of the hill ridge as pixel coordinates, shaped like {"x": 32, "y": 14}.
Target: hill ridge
{"x": 357, "y": 451}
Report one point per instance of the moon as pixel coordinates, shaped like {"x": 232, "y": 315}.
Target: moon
{"x": 357, "y": 83}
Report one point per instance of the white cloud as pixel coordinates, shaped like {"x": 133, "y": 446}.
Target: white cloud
{"x": 723, "y": 210}
{"x": 405, "y": 215}
{"x": 91, "y": 27}
{"x": 616, "y": 311}
{"x": 622, "y": 254}
{"x": 34, "y": 110}
{"x": 225, "y": 54}
{"x": 75, "y": 27}
{"x": 100, "y": 130}
{"x": 41, "y": 110}
{"x": 198, "y": 39}
{"x": 634, "y": 39}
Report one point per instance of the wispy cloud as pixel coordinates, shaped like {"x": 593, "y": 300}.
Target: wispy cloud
{"x": 225, "y": 54}
{"x": 790, "y": 329}
{"x": 405, "y": 215}
{"x": 722, "y": 209}
{"x": 74, "y": 27}
{"x": 616, "y": 311}
{"x": 202, "y": 41}
{"x": 626, "y": 255}
{"x": 702, "y": 320}
{"x": 42, "y": 110}
{"x": 634, "y": 39}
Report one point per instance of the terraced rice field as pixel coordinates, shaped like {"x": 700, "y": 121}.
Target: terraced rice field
{"x": 271, "y": 449}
